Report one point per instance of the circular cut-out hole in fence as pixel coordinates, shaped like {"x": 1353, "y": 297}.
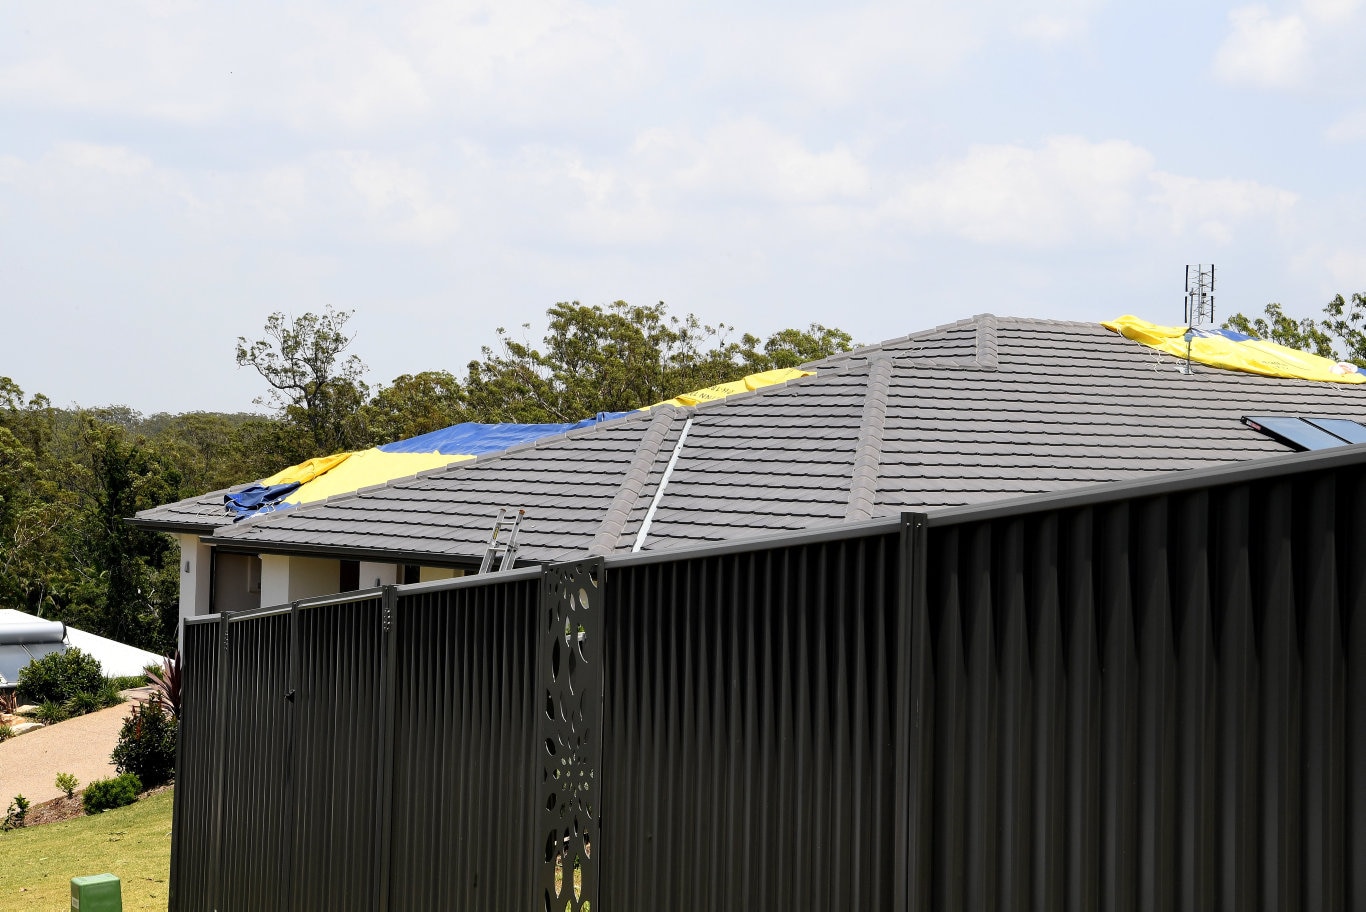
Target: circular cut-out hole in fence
{"x": 550, "y": 747}
{"x": 549, "y": 706}
{"x": 552, "y": 846}
{"x": 555, "y": 660}
{"x": 550, "y": 801}
{"x": 583, "y": 599}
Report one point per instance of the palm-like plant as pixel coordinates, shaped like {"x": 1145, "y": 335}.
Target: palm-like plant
{"x": 166, "y": 685}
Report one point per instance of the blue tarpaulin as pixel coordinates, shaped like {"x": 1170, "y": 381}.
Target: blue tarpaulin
{"x": 471, "y": 439}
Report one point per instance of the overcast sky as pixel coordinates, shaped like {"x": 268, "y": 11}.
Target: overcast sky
{"x": 171, "y": 173}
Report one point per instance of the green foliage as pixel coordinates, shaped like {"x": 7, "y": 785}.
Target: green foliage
{"x": 6, "y": 732}
{"x": 147, "y": 743}
{"x": 128, "y": 682}
{"x": 623, "y": 357}
{"x": 109, "y": 693}
{"x": 16, "y": 814}
{"x": 414, "y": 404}
{"x": 68, "y": 784}
{"x": 59, "y": 676}
{"x": 311, "y": 384}
{"x": 50, "y": 712}
{"x": 166, "y": 683}
{"x": 1340, "y": 335}
{"x": 104, "y": 794}
{"x": 82, "y": 703}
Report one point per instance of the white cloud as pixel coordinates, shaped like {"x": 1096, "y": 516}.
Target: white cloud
{"x": 1349, "y": 128}
{"x": 1262, "y": 50}
{"x": 1332, "y": 11}
{"x": 1073, "y": 192}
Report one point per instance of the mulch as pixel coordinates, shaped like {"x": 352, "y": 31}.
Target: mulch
{"x": 65, "y": 808}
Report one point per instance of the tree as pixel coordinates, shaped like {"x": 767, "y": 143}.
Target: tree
{"x": 1342, "y": 326}
{"x": 622, "y": 357}
{"x": 414, "y": 404}
{"x": 312, "y": 385}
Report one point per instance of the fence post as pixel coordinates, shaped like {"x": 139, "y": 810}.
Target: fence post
{"x": 388, "y": 707}
{"x": 914, "y": 723}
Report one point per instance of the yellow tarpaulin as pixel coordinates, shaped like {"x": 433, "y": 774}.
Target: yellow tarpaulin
{"x": 743, "y": 385}
{"x": 366, "y": 468}
{"x": 306, "y": 471}
{"x": 1233, "y": 350}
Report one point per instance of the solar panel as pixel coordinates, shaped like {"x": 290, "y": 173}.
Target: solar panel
{"x": 1294, "y": 432}
{"x": 1348, "y": 430}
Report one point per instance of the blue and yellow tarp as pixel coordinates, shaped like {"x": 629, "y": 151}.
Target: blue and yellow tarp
{"x": 1232, "y": 350}
{"x": 343, "y": 473}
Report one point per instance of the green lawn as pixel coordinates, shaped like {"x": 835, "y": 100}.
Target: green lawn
{"x": 133, "y": 843}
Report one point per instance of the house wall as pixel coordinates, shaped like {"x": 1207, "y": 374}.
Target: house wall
{"x": 429, "y": 574}
{"x": 285, "y": 579}
{"x": 236, "y": 583}
{"x": 196, "y": 576}
{"x": 372, "y": 574}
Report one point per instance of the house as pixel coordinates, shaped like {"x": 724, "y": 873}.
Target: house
{"x": 985, "y": 409}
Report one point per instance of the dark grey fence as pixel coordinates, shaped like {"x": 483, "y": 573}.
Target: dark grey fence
{"x": 1147, "y": 696}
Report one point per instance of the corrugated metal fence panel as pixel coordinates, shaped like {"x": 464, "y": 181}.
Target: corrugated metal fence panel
{"x": 336, "y": 763}
{"x": 193, "y": 833}
{"x": 254, "y": 848}
{"x": 465, "y": 758}
{"x": 749, "y": 730}
{"x": 1151, "y": 704}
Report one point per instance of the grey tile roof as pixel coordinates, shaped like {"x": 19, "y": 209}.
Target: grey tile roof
{"x": 983, "y": 409}
{"x": 200, "y": 514}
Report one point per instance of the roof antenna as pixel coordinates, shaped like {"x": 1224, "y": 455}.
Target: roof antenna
{"x": 1199, "y": 305}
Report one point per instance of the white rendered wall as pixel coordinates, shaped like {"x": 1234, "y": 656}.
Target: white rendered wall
{"x": 286, "y": 579}
{"x": 196, "y": 577}
{"x": 377, "y": 574}
{"x": 274, "y": 580}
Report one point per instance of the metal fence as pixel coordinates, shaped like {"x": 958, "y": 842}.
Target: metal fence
{"x": 1147, "y": 696}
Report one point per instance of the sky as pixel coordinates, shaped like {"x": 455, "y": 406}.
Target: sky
{"x": 171, "y": 173}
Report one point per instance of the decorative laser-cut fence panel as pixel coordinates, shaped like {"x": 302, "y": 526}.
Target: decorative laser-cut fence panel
{"x": 195, "y": 824}
{"x": 749, "y": 730}
{"x": 464, "y": 747}
{"x": 570, "y": 734}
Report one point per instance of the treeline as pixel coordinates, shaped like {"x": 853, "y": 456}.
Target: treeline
{"x": 69, "y": 477}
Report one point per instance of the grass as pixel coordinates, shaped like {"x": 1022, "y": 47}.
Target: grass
{"x": 133, "y": 843}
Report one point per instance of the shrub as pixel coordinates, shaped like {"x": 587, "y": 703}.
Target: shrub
{"x": 49, "y": 713}
{"x": 109, "y": 694}
{"x": 59, "y": 676}
{"x": 14, "y": 817}
{"x": 68, "y": 783}
{"x": 103, "y": 794}
{"x": 147, "y": 744}
{"x": 82, "y": 703}
{"x": 127, "y": 682}
{"x": 6, "y": 733}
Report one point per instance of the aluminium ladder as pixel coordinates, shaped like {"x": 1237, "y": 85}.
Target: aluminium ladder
{"x": 509, "y": 549}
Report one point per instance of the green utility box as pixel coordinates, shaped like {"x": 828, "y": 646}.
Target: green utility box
{"x": 96, "y": 893}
